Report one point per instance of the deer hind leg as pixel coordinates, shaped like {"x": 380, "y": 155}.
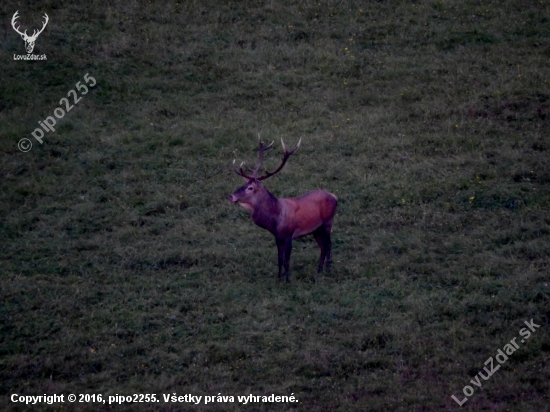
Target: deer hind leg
{"x": 328, "y": 246}
{"x": 320, "y": 237}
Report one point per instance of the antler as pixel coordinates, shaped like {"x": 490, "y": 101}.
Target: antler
{"x": 15, "y": 17}
{"x": 240, "y": 171}
{"x": 261, "y": 151}
{"x": 285, "y": 158}
{"x": 35, "y": 33}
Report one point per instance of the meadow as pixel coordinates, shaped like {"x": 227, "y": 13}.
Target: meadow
{"x": 125, "y": 269}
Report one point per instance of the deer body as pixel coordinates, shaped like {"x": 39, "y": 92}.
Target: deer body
{"x": 288, "y": 218}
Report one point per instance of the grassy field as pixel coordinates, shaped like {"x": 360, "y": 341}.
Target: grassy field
{"x": 124, "y": 269}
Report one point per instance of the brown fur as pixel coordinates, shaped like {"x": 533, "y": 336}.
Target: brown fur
{"x": 290, "y": 218}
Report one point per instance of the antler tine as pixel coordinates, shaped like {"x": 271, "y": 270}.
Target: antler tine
{"x": 47, "y": 19}
{"x": 240, "y": 172}
{"x": 261, "y": 151}
{"x": 13, "y": 21}
{"x": 286, "y": 155}
{"x": 37, "y": 32}
{"x": 292, "y": 151}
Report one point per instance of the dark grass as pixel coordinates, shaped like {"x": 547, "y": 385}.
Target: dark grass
{"x": 125, "y": 269}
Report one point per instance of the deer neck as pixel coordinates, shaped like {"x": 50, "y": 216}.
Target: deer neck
{"x": 266, "y": 211}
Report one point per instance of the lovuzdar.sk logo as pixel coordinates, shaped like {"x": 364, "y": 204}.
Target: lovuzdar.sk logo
{"x": 29, "y": 40}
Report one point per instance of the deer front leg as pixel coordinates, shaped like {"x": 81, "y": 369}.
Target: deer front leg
{"x": 281, "y": 256}
{"x": 284, "y": 247}
{"x": 288, "y": 250}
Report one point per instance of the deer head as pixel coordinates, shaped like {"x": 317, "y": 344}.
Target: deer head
{"x": 29, "y": 40}
{"x": 253, "y": 195}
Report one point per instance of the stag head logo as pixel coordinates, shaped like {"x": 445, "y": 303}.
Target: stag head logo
{"x": 29, "y": 40}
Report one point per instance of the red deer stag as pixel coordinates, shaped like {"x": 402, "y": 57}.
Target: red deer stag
{"x": 287, "y": 218}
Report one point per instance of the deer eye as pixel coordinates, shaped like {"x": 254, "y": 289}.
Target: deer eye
{"x": 249, "y": 188}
